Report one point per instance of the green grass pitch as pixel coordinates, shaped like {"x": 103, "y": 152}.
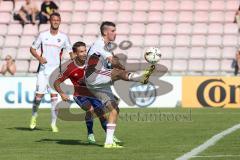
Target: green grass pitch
{"x": 148, "y": 134}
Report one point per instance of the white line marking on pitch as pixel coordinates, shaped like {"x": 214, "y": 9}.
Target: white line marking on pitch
{"x": 208, "y": 143}
{"x": 216, "y": 156}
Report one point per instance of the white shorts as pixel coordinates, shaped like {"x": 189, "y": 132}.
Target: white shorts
{"x": 43, "y": 86}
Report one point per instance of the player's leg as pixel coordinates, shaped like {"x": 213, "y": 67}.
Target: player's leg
{"x": 117, "y": 74}
{"x": 54, "y": 112}
{"x": 40, "y": 91}
{"x": 83, "y": 102}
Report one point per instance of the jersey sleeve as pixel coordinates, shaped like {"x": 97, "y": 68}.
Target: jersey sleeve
{"x": 67, "y": 45}
{"x": 36, "y": 44}
{"x": 65, "y": 75}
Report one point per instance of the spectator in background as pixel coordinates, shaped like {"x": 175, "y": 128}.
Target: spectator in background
{"x": 8, "y": 66}
{"x": 47, "y": 8}
{"x": 237, "y": 18}
{"x": 27, "y": 13}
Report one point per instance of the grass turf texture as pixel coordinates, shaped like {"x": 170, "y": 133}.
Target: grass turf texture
{"x": 168, "y": 135}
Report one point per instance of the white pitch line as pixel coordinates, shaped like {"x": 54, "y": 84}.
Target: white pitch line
{"x": 208, "y": 143}
{"x": 216, "y": 156}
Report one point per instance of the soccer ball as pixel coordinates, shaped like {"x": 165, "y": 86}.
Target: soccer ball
{"x": 152, "y": 55}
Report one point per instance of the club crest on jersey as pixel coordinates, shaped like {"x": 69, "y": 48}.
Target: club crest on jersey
{"x": 59, "y": 40}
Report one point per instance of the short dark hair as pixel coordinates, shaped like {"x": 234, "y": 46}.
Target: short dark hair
{"x": 55, "y": 14}
{"x": 104, "y": 24}
{"x": 78, "y": 44}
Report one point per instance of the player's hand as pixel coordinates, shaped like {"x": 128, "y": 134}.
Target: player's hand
{"x": 64, "y": 97}
{"x": 43, "y": 60}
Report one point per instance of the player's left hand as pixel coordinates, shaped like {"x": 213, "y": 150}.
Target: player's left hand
{"x": 64, "y": 97}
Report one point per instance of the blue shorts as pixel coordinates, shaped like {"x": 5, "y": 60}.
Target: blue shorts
{"x": 84, "y": 100}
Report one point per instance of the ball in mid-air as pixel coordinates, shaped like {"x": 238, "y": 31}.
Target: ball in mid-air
{"x": 152, "y": 55}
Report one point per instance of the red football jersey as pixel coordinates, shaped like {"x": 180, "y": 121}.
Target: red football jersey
{"x": 76, "y": 74}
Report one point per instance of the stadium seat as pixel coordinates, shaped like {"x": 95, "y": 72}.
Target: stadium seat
{"x": 198, "y": 40}
{"x": 156, "y": 6}
{"x": 181, "y": 53}
{"x": 167, "y": 64}
{"x": 22, "y": 66}
{"x": 230, "y": 28}
{"x": 226, "y": 65}
{"x": 197, "y": 53}
{"x": 89, "y": 40}
{"x": 74, "y": 39}
{"x": 91, "y": 29}
{"x": 134, "y": 53}
{"x": 139, "y": 17}
{"x": 3, "y": 29}
{"x": 171, "y": 5}
{"x": 9, "y": 51}
{"x": 200, "y": 28}
{"x": 123, "y": 28}
{"x": 212, "y": 65}
{"x": 213, "y": 52}
{"x": 18, "y": 5}
{"x": 217, "y": 16}
{"x": 184, "y": 28}
{"x": 186, "y": 5}
{"x": 153, "y": 28}
{"x": 229, "y": 52}
{"x": 195, "y": 65}
{"x": 217, "y": 5}
{"x": 66, "y": 17}
{"x": 44, "y": 27}
{"x": 79, "y": 17}
{"x": 202, "y": 5}
{"x": 215, "y": 28}
{"x": 141, "y": 5}
{"x": 30, "y": 29}
{"x": 66, "y": 6}
{"x": 120, "y": 38}
{"x": 2, "y": 40}
{"x": 168, "y": 28}
{"x": 232, "y": 5}
{"x": 137, "y": 28}
{"x": 96, "y": 5}
{"x": 94, "y": 17}
{"x": 33, "y": 66}
{"x": 6, "y": 6}
{"x": 167, "y": 52}
{"x": 154, "y": 16}
{"x": 185, "y": 16}
{"x": 124, "y": 17}
{"x": 7, "y": 17}
{"x": 179, "y": 65}
{"x": 201, "y": 16}
{"x": 151, "y": 40}
{"x": 111, "y": 5}
{"x": 182, "y": 40}
{"x": 126, "y": 5}
{"x": 11, "y": 41}
{"x": 24, "y": 54}
{"x": 167, "y": 40}
{"x": 170, "y": 16}
{"x": 76, "y": 29}
{"x": 214, "y": 40}
{"x": 15, "y": 29}
{"x": 109, "y": 16}
{"x": 229, "y": 16}
{"x": 26, "y": 41}
{"x": 230, "y": 40}
{"x": 137, "y": 40}
{"x": 81, "y": 5}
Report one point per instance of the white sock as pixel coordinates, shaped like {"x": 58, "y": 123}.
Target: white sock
{"x": 35, "y": 106}
{"x": 135, "y": 76}
{"x": 54, "y": 110}
{"x": 110, "y": 133}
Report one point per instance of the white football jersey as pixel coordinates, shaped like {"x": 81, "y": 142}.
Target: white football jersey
{"x": 51, "y": 47}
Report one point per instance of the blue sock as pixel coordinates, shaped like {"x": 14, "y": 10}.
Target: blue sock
{"x": 104, "y": 123}
{"x": 89, "y": 124}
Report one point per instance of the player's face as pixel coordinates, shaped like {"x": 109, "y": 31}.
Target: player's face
{"x": 81, "y": 52}
{"x": 55, "y": 22}
{"x": 111, "y": 33}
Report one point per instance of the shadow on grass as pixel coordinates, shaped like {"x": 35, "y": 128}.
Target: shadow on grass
{"x": 69, "y": 142}
{"x": 27, "y": 129}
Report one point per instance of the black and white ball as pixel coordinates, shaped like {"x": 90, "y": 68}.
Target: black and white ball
{"x": 152, "y": 55}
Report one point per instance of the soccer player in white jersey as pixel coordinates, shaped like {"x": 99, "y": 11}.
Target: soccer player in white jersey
{"x": 51, "y": 42}
{"x": 103, "y": 68}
